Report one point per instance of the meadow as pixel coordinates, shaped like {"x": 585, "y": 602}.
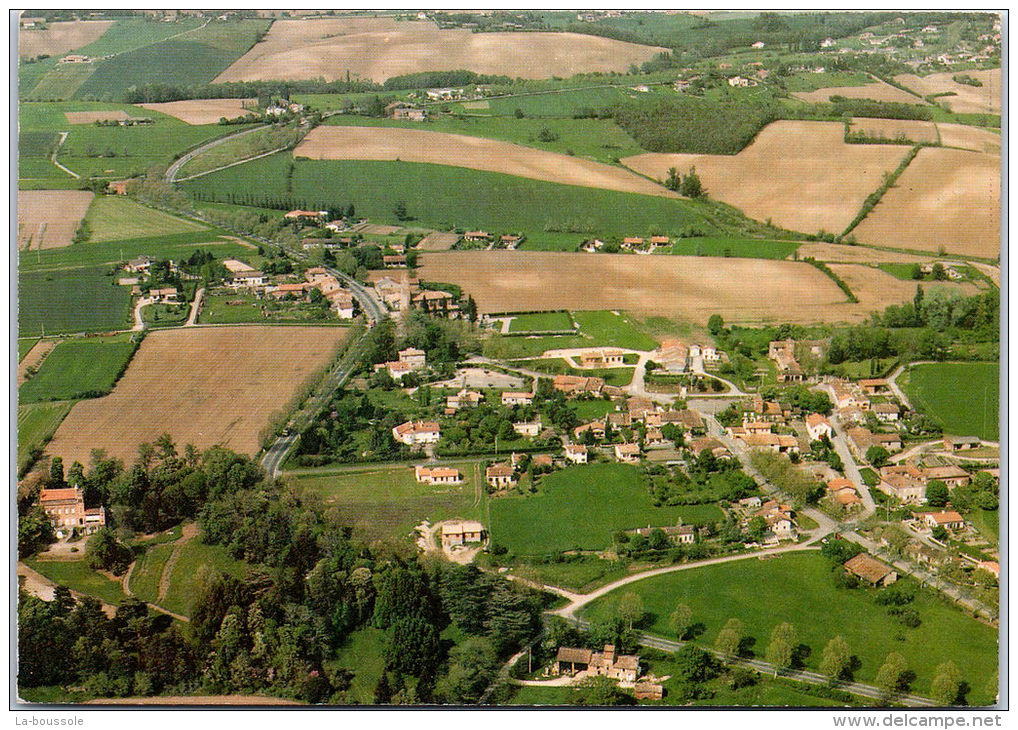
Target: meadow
{"x": 596, "y": 328}
{"x": 963, "y": 397}
{"x": 84, "y": 368}
{"x": 37, "y": 423}
{"x": 71, "y": 300}
{"x": 750, "y": 248}
{"x": 580, "y": 507}
{"x": 116, "y": 218}
{"x": 541, "y": 322}
{"x": 76, "y": 575}
{"x": 194, "y": 561}
{"x": 764, "y": 593}
{"x": 148, "y": 571}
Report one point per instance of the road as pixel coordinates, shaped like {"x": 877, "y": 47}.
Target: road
{"x": 53, "y": 157}
{"x": 174, "y": 169}
{"x": 851, "y": 468}
{"x": 892, "y": 383}
{"x": 195, "y": 307}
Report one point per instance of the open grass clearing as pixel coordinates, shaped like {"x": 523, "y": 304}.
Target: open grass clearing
{"x": 76, "y": 575}
{"x": 148, "y": 571}
{"x": 541, "y": 322}
{"x": 963, "y": 397}
{"x": 195, "y": 560}
{"x": 751, "y": 248}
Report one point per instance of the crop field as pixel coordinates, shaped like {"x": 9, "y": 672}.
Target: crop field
{"x": 204, "y": 111}
{"x": 877, "y": 91}
{"x": 683, "y": 287}
{"x": 444, "y": 197}
{"x": 116, "y": 218}
{"x": 790, "y": 588}
{"x": 945, "y": 200}
{"x": 379, "y": 48}
{"x": 50, "y": 218}
{"x": 580, "y": 507}
{"x": 60, "y": 83}
{"x": 814, "y": 180}
{"x": 247, "y": 375}
{"x": 814, "y": 81}
{"x": 963, "y": 397}
{"x": 60, "y": 37}
{"x": 71, "y": 300}
{"x": 911, "y": 130}
{"x": 387, "y": 502}
{"x": 437, "y": 241}
{"x": 79, "y": 369}
{"x": 543, "y": 322}
{"x": 964, "y": 99}
{"x": 413, "y": 145}
{"x": 976, "y": 139}
{"x": 750, "y": 248}
{"x": 36, "y": 424}
{"x": 871, "y": 284}
{"x": 844, "y": 253}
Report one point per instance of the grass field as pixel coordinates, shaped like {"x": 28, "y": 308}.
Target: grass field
{"x": 148, "y": 571}
{"x": 195, "y": 559}
{"x": 25, "y": 344}
{"x": 963, "y": 397}
{"x": 71, "y": 300}
{"x": 260, "y": 141}
{"x": 79, "y": 369}
{"x": 987, "y": 521}
{"x": 750, "y": 248}
{"x": 361, "y": 653}
{"x": 77, "y": 576}
{"x": 597, "y": 328}
{"x": 165, "y": 315}
{"x": 116, "y": 218}
{"x": 445, "y": 197}
{"x": 36, "y": 424}
{"x": 388, "y": 502}
{"x": 799, "y": 589}
{"x": 580, "y": 507}
{"x": 541, "y": 322}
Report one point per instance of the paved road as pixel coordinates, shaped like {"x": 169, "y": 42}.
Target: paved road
{"x": 852, "y": 468}
{"x": 892, "y": 383}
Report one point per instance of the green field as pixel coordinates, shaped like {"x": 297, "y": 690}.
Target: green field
{"x": 444, "y": 197}
{"x": 165, "y": 315}
{"x": 963, "y": 397}
{"x": 195, "y": 559}
{"x": 71, "y": 300}
{"x": 557, "y": 366}
{"x": 813, "y": 81}
{"x": 542, "y": 322}
{"x": 36, "y": 425}
{"x": 388, "y": 502}
{"x": 25, "y": 344}
{"x": 799, "y": 589}
{"x": 115, "y": 218}
{"x": 77, "y": 576}
{"x": 261, "y": 140}
{"x": 750, "y": 248}
{"x": 79, "y": 369}
{"x": 148, "y": 570}
{"x": 580, "y": 507}
{"x": 597, "y": 329}
{"x": 361, "y": 653}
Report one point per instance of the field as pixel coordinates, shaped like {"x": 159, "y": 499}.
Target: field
{"x": 246, "y": 375}
{"x": 50, "y": 218}
{"x": 193, "y": 559}
{"x": 877, "y": 91}
{"x": 361, "y": 653}
{"x": 963, "y": 397}
{"x": 750, "y": 248}
{"x": 437, "y": 241}
{"x": 945, "y": 200}
{"x": 36, "y": 424}
{"x": 814, "y": 180}
{"x": 845, "y": 253}
{"x": 414, "y": 145}
{"x": 912, "y": 130}
{"x": 966, "y": 99}
{"x": 113, "y": 115}
{"x": 71, "y": 300}
{"x": 683, "y": 287}
{"x": 872, "y": 284}
{"x": 596, "y": 329}
{"x": 580, "y": 507}
{"x": 762, "y": 594}
{"x": 76, "y": 575}
{"x": 149, "y": 570}
{"x": 387, "y": 502}
{"x": 204, "y": 111}
{"x": 78, "y": 369}
{"x": 969, "y": 138}
{"x": 544, "y": 322}
{"x": 379, "y": 48}
{"x": 60, "y": 38}
{"x": 116, "y": 218}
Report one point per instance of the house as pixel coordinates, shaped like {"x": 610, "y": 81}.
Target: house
{"x": 289, "y": 290}
{"x": 342, "y": 303}
{"x": 400, "y": 110}
{"x": 165, "y": 294}
{"x": 249, "y": 279}
{"x": 952, "y": 476}
{"x": 870, "y": 570}
{"x": 648, "y": 691}
{"x": 607, "y": 663}
{"x": 601, "y": 358}
{"x": 500, "y": 475}
{"x": 313, "y": 216}
{"x": 756, "y": 426}
{"x": 843, "y": 397}
{"x": 621, "y": 420}
{"x": 461, "y": 533}
{"x": 394, "y": 261}
{"x": 782, "y": 352}
{"x": 715, "y": 446}
{"x": 758, "y": 44}
{"x": 948, "y": 519}
{"x": 654, "y": 437}
{"x": 741, "y": 82}
{"x": 530, "y": 429}
{"x": 660, "y": 240}
{"x": 575, "y": 384}
{"x": 413, "y": 357}
{"x": 576, "y": 453}
{"x": 627, "y": 453}
{"x": 673, "y": 356}
{"x": 875, "y": 386}
{"x": 140, "y": 265}
{"x": 639, "y": 407}
{"x": 827, "y": 43}
{"x": 679, "y": 534}
{"x": 779, "y": 519}
{"x": 65, "y": 509}
{"x": 843, "y": 492}
{"x": 886, "y": 412}
{"x": 905, "y": 482}
{"x": 509, "y": 240}
{"x": 119, "y": 187}
{"x": 961, "y": 443}
{"x": 862, "y": 439}
{"x": 417, "y": 433}
{"x": 463, "y": 398}
{"x": 817, "y": 427}
{"x": 477, "y": 236}
{"x": 778, "y": 443}
{"x": 437, "y": 475}
{"x": 759, "y": 409}
{"x": 632, "y": 242}
{"x": 595, "y": 427}
{"x": 436, "y": 302}
{"x": 515, "y": 398}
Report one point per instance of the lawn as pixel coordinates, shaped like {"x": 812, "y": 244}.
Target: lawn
{"x": 580, "y": 507}
{"x": 388, "y": 502}
{"x": 149, "y": 570}
{"x": 36, "y": 425}
{"x": 83, "y": 368}
{"x": 361, "y": 653}
{"x": 963, "y": 397}
{"x": 542, "y": 322}
{"x": 116, "y": 218}
{"x": 588, "y": 410}
{"x": 77, "y": 576}
{"x": 987, "y": 521}
{"x": 165, "y": 315}
{"x": 71, "y": 300}
{"x": 197, "y": 559}
{"x": 799, "y": 589}
{"x": 581, "y": 575}
{"x": 750, "y": 248}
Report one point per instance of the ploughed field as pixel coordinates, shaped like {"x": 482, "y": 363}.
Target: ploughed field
{"x": 49, "y": 218}
{"x": 203, "y": 385}
{"x": 877, "y": 91}
{"x": 204, "y": 111}
{"x": 60, "y": 38}
{"x": 964, "y": 98}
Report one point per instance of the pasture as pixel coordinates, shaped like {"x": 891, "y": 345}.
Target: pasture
{"x": 764, "y": 593}
{"x": 749, "y": 248}
{"x": 204, "y": 111}
{"x": 439, "y": 148}
{"x": 36, "y": 424}
{"x": 81, "y": 368}
{"x": 963, "y": 99}
{"x": 60, "y": 37}
{"x": 76, "y": 575}
{"x": 946, "y": 200}
{"x": 50, "y": 218}
{"x": 876, "y": 90}
{"x": 71, "y": 300}
{"x": 116, "y": 218}
{"x": 247, "y": 375}
{"x": 580, "y": 507}
{"x": 192, "y": 561}
{"x": 148, "y": 572}
{"x": 386, "y": 502}
{"x": 542, "y": 322}
{"x": 963, "y": 397}
{"x": 380, "y": 48}
{"x": 814, "y": 180}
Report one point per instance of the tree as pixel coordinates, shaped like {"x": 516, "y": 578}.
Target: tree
{"x": 757, "y": 528}
{"x": 836, "y": 658}
{"x": 600, "y": 691}
{"x": 691, "y": 186}
{"x": 659, "y": 540}
{"x": 674, "y": 181}
{"x": 681, "y": 620}
{"x": 104, "y": 552}
{"x": 412, "y": 647}
{"x": 936, "y": 493}
{"x": 729, "y": 638}
{"x": 715, "y": 324}
{"x": 400, "y": 211}
{"x": 939, "y": 533}
{"x": 630, "y": 609}
{"x": 56, "y": 472}
{"x": 892, "y": 673}
{"x": 694, "y": 665}
{"x": 782, "y": 647}
{"x": 472, "y": 667}
{"x": 877, "y": 456}
{"x": 946, "y": 684}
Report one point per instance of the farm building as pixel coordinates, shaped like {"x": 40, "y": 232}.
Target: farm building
{"x": 65, "y": 509}
{"x": 437, "y": 475}
{"x": 870, "y": 570}
{"x": 575, "y": 384}
{"x": 680, "y": 534}
{"x": 875, "y": 386}
{"x": 463, "y": 398}
{"x": 476, "y": 236}
{"x": 673, "y": 356}
{"x": 249, "y": 279}
{"x": 607, "y": 663}
{"x": 435, "y": 302}
{"x": 961, "y": 443}
{"x": 716, "y": 447}
{"x": 601, "y": 358}
{"x": 886, "y": 412}
{"x": 413, "y": 357}
{"x": 461, "y": 533}
{"x": 417, "y": 433}
{"x": 500, "y": 475}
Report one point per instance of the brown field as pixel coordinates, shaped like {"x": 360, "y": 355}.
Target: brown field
{"x": 113, "y": 115}
{"x": 203, "y": 111}
{"x": 202, "y": 385}
{"x": 983, "y": 99}
{"x": 748, "y": 291}
{"x": 49, "y": 218}
{"x": 844, "y": 254}
{"x": 377, "y": 229}
{"x": 379, "y": 48}
{"x": 878, "y": 91}
{"x": 478, "y": 153}
{"x": 801, "y": 175}
{"x": 438, "y": 241}
{"x": 60, "y": 38}
{"x": 946, "y": 199}
{"x": 873, "y": 285}
{"x": 913, "y": 130}
{"x": 969, "y": 138}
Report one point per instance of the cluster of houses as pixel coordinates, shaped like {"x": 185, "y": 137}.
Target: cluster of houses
{"x": 907, "y": 482}
{"x": 341, "y": 300}
{"x": 580, "y": 663}
{"x": 785, "y": 354}
{"x": 676, "y": 356}
{"x": 401, "y": 292}
{"x": 141, "y": 268}
{"x": 779, "y": 517}
{"x": 66, "y": 511}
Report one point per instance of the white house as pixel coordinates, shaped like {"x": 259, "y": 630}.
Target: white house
{"x": 511, "y": 398}
{"x": 576, "y": 453}
{"x": 437, "y": 475}
{"x": 817, "y": 426}
{"x": 417, "y": 433}
{"x": 529, "y": 429}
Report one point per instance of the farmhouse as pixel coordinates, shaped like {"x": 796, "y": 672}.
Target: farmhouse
{"x": 394, "y": 261}
{"x": 509, "y": 240}
{"x": 342, "y": 302}
{"x": 845, "y": 398}
{"x": 762, "y": 410}
{"x": 463, "y": 398}
{"x": 716, "y": 447}
{"x": 817, "y": 427}
{"x": 139, "y": 265}
{"x": 627, "y": 453}
{"x": 679, "y": 534}
{"x": 65, "y": 509}
{"x": 905, "y": 482}
{"x": 289, "y": 290}
{"x": 673, "y": 356}
{"x": 477, "y": 236}
{"x": 949, "y": 519}
{"x": 461, "y": 533}
{"x": 500, "y": 475}
{"x": 437, "y": 475}
{"x": 961, "y": 443}
{"x": 778, "y": 443}
{"x": 886, "y": 412}
{"x": 709, "y": 353}
{"x": 607, "y": 663}
{"x": 417, "y": 433}
{"x": 952, "y": 476}
{"x": 435, "y": 302}
{"x": 874, "y": 386}
{"x": 782, "y": 352}
{"x": 312, "y": 216}
{"x": 870, "y": 570}
{"x": 249, "y": 279}
{"x": 844, "y": 492}
{"x": 595, "y": 427}
{"x": 575, "y": 384}
{"x": 622, "y": 420}
{"x": 601, "y": 358}
{"x": 529, "y": 429}
{"x": 576, "y": 453}
{"x": 163, "y": 295}
{"x": 413, "y": 357}
{"x": 862, "y": 439}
